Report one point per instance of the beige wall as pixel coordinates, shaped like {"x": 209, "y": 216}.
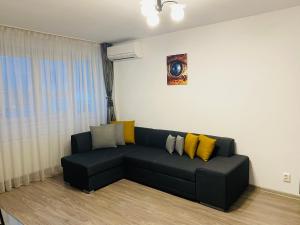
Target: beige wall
{"x": 244, "y": 82}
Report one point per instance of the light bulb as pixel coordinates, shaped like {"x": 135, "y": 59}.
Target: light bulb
{"x": 177, "y": 12}
{"x": 153, "y": 20}
{"x": 148, "y": 7}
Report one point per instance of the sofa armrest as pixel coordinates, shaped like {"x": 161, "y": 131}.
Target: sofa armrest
{"x": 81, "y": 142}
{"x": 222, "y": 180}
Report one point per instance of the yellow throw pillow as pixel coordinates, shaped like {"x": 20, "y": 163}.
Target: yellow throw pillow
{"x": 128, "y": 130}
{"x": 190, "y": 145}
{"x": 205, "y": 147}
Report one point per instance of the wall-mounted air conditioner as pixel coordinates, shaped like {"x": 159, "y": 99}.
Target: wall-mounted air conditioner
{"x": 127, "y": 50}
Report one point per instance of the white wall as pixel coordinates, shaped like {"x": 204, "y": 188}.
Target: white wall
{"x": 244, "y": 82}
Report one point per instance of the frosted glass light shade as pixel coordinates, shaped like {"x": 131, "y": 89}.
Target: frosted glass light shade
{"x": 148, "y": 7}
{"x": 152, "y": 20}
{"x": 151, "y": 8}
{"x": 177, "y": 12}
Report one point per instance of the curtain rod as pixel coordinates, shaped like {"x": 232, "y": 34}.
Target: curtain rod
{"x": 57, "y": 35}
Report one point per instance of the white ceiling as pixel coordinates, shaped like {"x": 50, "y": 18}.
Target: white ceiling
{"x": 116, "y": 20}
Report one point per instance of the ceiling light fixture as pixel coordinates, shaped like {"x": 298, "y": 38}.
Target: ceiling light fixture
{"x": 151, "y": 8}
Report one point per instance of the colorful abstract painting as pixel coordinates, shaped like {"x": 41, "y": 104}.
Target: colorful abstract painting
{"x": 177, "y": 69}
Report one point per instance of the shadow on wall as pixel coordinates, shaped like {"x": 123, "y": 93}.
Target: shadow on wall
{"x": 251, "y": 172}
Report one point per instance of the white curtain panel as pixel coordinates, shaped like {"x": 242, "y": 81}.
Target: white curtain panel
{"x": 50, "y": 88}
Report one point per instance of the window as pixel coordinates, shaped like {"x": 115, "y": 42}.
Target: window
{"x": 16, "y": 77}
{"x": 84, "y": 87}
{"x": 54, "y": 86}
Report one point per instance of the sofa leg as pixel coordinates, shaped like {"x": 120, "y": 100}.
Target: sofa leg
{"x": 88, "y": 192}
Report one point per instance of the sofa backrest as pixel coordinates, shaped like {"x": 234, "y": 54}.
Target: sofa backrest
{"x": 81, "y": 142}
{"x": 153, "y": 137}
{"x": 157, "y": 138}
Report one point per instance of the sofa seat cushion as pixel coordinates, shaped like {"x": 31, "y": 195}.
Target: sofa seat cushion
{"x": 98, "y": 160}
{"x": 161, "y": 161}
{"x": 223, "y": 165}
{"x": 178, "y": 166}
{"x": 144, "y": 157}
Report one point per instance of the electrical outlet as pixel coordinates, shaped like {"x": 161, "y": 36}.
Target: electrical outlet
{"x": 287, "y": 177}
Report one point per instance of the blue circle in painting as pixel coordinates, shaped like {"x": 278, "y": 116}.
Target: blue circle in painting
{"x": 176, "y": 68}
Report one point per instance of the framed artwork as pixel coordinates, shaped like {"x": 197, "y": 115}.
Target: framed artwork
{"x": 177, "y": 69}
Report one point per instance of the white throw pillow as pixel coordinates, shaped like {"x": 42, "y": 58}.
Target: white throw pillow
{"x": 170, "y": 144}
{"x": 179, "y": 145}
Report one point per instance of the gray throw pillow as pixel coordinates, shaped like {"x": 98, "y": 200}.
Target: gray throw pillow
{"x": 119, "y": 133}
{"x": 179, "y": 144}
{"x": 103, "y": 136}
{"x": 170, "y": 144}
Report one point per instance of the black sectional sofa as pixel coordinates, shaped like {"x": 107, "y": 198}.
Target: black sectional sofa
{"x": 217, "y": 183}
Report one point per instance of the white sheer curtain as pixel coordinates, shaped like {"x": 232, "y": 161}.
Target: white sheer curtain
{"x": 50, "y": 87}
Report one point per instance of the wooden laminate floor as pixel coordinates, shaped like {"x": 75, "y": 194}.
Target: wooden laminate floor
{"x": 53, "y": 203}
